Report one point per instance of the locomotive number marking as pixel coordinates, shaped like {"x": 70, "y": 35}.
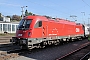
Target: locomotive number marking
{"x": 19, "y": 34}
{"x": 77, "y": 30}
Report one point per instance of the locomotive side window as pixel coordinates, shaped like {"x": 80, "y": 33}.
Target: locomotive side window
{"x": 38, "y": 24}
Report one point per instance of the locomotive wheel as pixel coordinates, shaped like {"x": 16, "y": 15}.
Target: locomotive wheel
{"x": 61, "y": 41}
{"x": 49, "y": 43}
{"x": 70, "y": 39}
{"x": 42, "y": 45}
{"x": 56, "y": 42}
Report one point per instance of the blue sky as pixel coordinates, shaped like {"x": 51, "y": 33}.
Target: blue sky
{"x": 55, "y": 8}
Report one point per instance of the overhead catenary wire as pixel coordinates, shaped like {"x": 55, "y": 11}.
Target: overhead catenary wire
{"x": 34, "y": 3}
{"x": 10, "y": 4}
{"x": 52, "y": 8}
{"x": 86, "y": 3}
{"x": 49, "y": 7}
{"x": 61, "y": 12}
{"x": 37, "y": 4}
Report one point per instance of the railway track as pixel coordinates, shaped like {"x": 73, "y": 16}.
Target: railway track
{"x": 5, "y": 39}
{"x": 52, "y": 52}
{"x": 7, "y": 56}
{"x": 8, "y": 52}
{"x": 86, "y": 56}
{"x": 5, "y": 45}
{"x": 70, "y": 55}
{"x": 13, "y": 53}
{"x": 7, "y": 49}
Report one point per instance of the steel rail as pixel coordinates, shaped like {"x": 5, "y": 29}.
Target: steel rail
{"x": 84, "y": 57}
{"x": 83, "y": 46}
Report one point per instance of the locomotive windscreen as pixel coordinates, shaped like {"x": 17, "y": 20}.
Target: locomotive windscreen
{"x": 24, "y": 24}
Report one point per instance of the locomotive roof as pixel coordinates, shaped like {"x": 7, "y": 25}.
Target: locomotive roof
{"x": 57, "y": 20}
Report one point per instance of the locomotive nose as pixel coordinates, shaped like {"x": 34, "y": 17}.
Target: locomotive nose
{"x": 23, "y": 34}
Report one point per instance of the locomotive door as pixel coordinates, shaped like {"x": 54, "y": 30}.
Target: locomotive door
{"x": 44, "y": 29}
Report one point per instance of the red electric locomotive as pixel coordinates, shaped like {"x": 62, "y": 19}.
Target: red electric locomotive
{"x": 38, "y": 31}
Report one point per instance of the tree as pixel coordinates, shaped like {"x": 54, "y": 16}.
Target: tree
{"x": 30, "y": 13}
{"x": 16, "y": 17}
{"x": 0, "y": 15}
{"x": 8, "y": 16}
{"x": 26, "y": 13}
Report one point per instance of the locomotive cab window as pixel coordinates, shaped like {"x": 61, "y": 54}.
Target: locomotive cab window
{"x": 24, "y": 24}
{"x": 38, "y": 24}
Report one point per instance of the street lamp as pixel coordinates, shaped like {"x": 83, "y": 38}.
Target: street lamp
{"x": 82, "y": 16}
{"x": 23, "y": 10}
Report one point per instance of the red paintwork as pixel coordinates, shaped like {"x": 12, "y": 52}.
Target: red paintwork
{"x": 60, "y": 27}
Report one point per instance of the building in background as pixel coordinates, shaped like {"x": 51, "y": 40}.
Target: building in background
{"x": 5, "y": 19}
{"x": 7, "y": 26}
